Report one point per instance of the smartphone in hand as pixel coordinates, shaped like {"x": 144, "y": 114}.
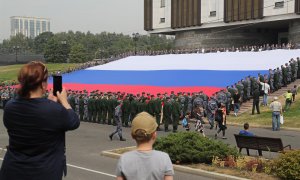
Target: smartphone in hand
{"x": 57, "y": 84}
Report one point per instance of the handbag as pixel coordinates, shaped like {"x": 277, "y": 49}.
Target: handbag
{"x": 281, "y": 119}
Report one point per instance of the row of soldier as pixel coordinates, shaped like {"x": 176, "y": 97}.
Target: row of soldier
{"x": 264, "y": 47}
{"x": 99, "y": 107}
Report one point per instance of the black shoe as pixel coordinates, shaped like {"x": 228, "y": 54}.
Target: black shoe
{"x": 158, "y": 129}
{"x": 216, "y": 136}
{"x": 167, "y": 130}
{"x": 211, "y": 127}
{"x": 110, "y": 137}
{"x": 122, "y": 139}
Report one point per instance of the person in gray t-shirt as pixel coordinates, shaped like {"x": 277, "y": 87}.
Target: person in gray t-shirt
{"x": 144, "y": 163}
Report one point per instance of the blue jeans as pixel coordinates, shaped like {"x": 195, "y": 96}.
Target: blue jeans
{"x": 275, "y": 121}
{"x": 265, "y": 99}
{"x": 236, "y": 107}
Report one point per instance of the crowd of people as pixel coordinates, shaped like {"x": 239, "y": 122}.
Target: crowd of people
{"x": 264, "y": 47}
{"x": 100, "y": 107}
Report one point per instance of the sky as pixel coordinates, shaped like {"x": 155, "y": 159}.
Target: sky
{"x": 118, "y": 16}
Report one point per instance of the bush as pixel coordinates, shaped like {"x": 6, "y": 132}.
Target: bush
{"x": 191, "y": 147}
{"x": 287, "y": 166}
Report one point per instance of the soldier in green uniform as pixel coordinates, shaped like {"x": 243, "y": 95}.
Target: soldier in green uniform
{"x": 276, "y": 80}
{"x": 110, "y": 109}
{"x": 126, "y": 110}
{"x": 175, "y": 113}
{"x": 151, "y": 106}
{"x": 284, "y": 76}
{"x": 99, "y": 107}
{"x": 72, "y": 100}
{"x": 81, "y": 107}
{"x": 89, "y": 106}
{"x": 240, "y": 89}
{"x": 158, "y": 107}
{"x": 104, "y": 108}
{"x": 133, "y": 107}
{"x": 167, "y": 112}
{"x": 115, "y": 104}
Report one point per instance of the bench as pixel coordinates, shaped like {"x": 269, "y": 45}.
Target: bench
{"x": 260, "y": 144}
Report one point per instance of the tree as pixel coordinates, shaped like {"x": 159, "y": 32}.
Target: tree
{"x": 78, "y": 54}
{"x": 41, "y": 40}
{"x": 57, "y": 50}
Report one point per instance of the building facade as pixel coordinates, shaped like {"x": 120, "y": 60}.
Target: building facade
{"x": 29, "y": 26}
{"x": 224, "y": 23}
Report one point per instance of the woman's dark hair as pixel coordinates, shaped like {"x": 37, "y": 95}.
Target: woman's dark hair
{"x": 31, "y": 76}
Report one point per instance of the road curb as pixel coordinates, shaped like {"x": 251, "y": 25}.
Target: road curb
{"x": 184, "y": 169}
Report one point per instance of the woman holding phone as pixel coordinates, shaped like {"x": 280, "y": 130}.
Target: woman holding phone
{"x": 36, "y": 128}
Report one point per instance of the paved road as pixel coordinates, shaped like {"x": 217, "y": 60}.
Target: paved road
{"x": 85, "y": 144}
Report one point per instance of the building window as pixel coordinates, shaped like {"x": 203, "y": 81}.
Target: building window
{"x": 279, "y": 4}
{"x": 213, "y": 13}
{"x": 162, "y": 3}
{"x": 162, "y": 20}
{"x": 44, "y": 26}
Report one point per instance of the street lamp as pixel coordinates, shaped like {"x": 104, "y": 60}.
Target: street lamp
{"x": 16, "y": 48}
{"x": 135, "y": 37}
{"x": 64, "y": 44}
{"x": 101, "y": 51}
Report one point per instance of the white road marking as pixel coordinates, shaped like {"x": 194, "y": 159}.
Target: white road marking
{"x": 78, "y": 167}
{"x": 90, "y": 170}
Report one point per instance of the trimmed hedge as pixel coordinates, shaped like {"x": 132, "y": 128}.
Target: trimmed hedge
{"x": 191, "y": 147}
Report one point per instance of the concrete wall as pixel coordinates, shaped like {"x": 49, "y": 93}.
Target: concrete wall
{"x": 294, "y": 32}
{"x": 270, "y": 10}
{"x": 11, "y": 59}
{"x": 215, "y": 38}
{"x": 212, "y": 5}
{"x": 161, "y": 12}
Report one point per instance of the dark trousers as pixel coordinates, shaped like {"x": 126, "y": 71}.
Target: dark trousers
{"x": 255, "y": 105}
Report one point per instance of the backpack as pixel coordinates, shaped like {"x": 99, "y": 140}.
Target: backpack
{"x": 184, "y": 122}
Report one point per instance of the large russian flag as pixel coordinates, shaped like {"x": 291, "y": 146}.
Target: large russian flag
{"x": 179, "y": 73}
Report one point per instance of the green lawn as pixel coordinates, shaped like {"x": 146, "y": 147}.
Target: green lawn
{"x": 10, "y": 72}
{"x": 291, "y": 117}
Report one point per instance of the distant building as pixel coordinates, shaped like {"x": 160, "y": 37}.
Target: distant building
{"x": 223, "y": 23}
{"x": 29, "y": 26}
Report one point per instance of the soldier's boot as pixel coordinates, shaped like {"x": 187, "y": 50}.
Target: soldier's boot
{"x": 111, "y": 136}
{"x": 122, "y": 139}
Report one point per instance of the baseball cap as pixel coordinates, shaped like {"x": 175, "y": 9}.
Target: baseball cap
{"x": 143, "y": 121}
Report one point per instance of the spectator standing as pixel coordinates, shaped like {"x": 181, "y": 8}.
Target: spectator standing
{"x": 265, "y": 88}
{"x": 294, "y": 92}
{"x": 276, "y": 108}
{"x": 36, "y": 128}
{"x": 246, "y": 131}
{"x": 255, "y": 104}
{"x": 221, "y": 120}
{"x": 144, "y": 162}
{"x": 236, "y": 102}
{"x": 288, "y": 100}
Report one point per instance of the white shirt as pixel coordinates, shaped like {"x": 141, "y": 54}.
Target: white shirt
{"x": 265, "y": 87}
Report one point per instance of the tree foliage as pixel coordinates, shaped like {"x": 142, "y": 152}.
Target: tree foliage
{"x": 57, "y": 47}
